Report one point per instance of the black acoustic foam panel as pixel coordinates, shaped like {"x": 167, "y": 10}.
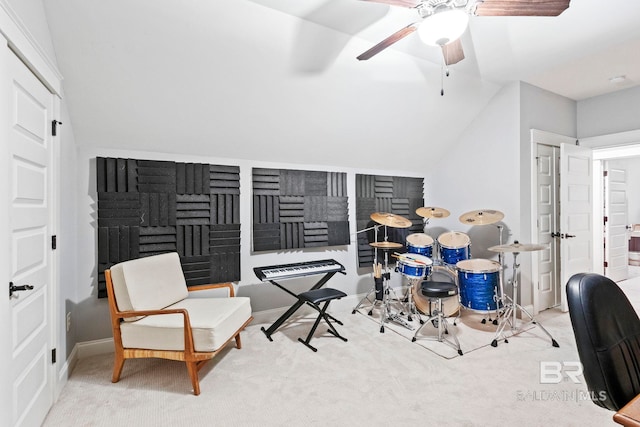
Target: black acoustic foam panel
{"x": 299, "y": 209}
{"x": 391, "y": 194}
{"x": 150, "y": 207}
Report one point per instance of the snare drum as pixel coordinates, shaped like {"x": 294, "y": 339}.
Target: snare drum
{"x": 414, "y": 265}
{"x": 454, "y": 246}
{"x": 450, "y": 306}
{"x": 420, "y": 243}
{"x": 478, "y": 280}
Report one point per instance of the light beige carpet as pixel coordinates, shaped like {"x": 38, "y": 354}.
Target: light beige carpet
{"x": 466, "y": 325}
{"x": 373, "y": 379}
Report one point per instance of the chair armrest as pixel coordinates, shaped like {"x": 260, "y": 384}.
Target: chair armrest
{"x": 188, "y": 333}
{"x": 214, "y": 286}
{"x": 132, "y": 313}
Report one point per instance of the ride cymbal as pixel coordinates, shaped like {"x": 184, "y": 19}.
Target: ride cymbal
{"x": 481, "y": 217}
{"x": 517, "y": 247}
{"x": 386, "y": 245}
{"x": 391, "y": 220}
{"x": 432, "y": 212}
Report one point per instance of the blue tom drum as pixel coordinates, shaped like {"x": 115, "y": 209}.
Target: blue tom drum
{"x": 420, "y": 243}
{"x": 478, "y": 280}
{"x": 454, "y": 246}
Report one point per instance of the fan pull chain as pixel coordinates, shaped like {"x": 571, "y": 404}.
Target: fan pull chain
{"x": 443, "y": 72}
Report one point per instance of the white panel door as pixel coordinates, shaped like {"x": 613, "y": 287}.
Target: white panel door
{"x": 576, "y": 225}
{"x": 26, "y": 353}
{"x": 548, "y": 223}
{"x": 616, "y": 241}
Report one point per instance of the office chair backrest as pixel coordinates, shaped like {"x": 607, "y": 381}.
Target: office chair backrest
{"x": 607, "y": 332}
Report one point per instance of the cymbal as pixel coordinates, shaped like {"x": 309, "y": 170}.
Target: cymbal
{"x": 391, "y": 220}
{"x": 431, "y": 212}
{"x": 481, "y": 217}
{"x": 517, "y": 247}
{"x": 386, "y": 245}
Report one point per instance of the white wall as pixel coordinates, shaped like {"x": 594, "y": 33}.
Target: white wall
{"x": 480, "y": 171}
{"x": 609, "y": 114}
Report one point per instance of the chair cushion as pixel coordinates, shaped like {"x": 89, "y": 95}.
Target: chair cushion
{"x": 317, "y": 296}
{"x": 149, "y": 283}
{"x": 214, "y": 321}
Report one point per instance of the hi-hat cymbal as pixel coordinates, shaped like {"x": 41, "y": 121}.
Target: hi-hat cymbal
{"x": 517, "y": 247}
{"x": 390, "y": 220}
{"x": 386, "y": 245}
{"x": 481, "y": 217}
{"x": 431, "y": 212}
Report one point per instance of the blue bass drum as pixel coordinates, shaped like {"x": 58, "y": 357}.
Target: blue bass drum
{"x": 478, "y": 280}
{"x": 414, "y": 265}
{"x": 420, "y": 243}
{"x": 454, "y": 246}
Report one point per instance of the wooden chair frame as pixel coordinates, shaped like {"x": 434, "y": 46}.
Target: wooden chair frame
{"x": 193, "y": 359}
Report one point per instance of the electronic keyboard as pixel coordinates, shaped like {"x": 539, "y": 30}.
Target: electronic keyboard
{"x": 298, "y": 269}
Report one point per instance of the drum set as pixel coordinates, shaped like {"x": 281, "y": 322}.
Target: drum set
{"x": 447, "y": 258}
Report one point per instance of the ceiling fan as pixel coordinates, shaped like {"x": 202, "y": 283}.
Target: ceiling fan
{"x": 442, "y": 22}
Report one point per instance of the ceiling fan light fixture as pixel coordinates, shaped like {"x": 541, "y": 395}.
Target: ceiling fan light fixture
{"x": 443, "y": 27}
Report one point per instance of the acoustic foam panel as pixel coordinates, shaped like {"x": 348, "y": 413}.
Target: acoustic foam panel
{"x": 391, "y": 194}
{"x": 299, "y": 209}
{"x": 150, "y": 207}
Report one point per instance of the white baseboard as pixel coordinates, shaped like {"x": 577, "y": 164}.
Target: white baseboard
{"x": 92, "y": 348}
{"x": 104, "y": 346}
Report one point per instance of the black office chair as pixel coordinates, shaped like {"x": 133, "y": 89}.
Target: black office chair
{"x": 607, "y": 332}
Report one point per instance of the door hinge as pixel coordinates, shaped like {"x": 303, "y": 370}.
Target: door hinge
{"x": 54, "y": 242}
{"x": 53, "y": 356}
{"x": 606, "y": 264}
{"x": 606, "y": 218}
{"x": 605, "y": 173}
{"x": 54, "y": 127}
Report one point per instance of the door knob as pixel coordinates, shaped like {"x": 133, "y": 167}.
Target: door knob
{"x": 569, "y": 236}
{"x": 555, "y": 234}
{"x": 13, "y": 288}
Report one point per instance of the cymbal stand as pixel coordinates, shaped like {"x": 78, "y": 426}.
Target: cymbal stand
{"x": 374, "y": 289}
{"x": 511, "y": 307}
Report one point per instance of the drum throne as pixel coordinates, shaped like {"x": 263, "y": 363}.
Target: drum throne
{"x": 436, "y": 292}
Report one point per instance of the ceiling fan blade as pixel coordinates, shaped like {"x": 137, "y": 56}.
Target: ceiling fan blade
{"x": 400, "y": 3}
{"x": 521, "y": 7}
{"x": 393, "y": 38}
{"x": 453, "y": 52}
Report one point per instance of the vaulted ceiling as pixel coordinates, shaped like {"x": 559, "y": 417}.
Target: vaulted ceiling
{"x": 278, "y": 79}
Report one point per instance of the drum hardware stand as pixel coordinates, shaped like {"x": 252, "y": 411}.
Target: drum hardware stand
{"x": 374, "y": 289}
{"x": 510, "y": 310}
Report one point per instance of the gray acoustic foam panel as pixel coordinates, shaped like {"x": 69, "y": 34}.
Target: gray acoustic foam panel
{"x": 391, "y": 194}
{"x": 295, "y": 209}
{"x": 151, "y": 207}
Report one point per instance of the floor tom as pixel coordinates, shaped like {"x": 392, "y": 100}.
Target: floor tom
{"x": 479, "y": 281}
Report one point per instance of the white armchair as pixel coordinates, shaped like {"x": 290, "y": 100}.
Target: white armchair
{"x": 153, "y": 316}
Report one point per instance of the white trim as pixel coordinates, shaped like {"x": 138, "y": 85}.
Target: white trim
{"x": 612, "y": 140}
{"x": 549, "y": 138}
{"x": 22, "y": 42}
{"x": 92, "y": 348}
{"x": 555, "y": 140}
